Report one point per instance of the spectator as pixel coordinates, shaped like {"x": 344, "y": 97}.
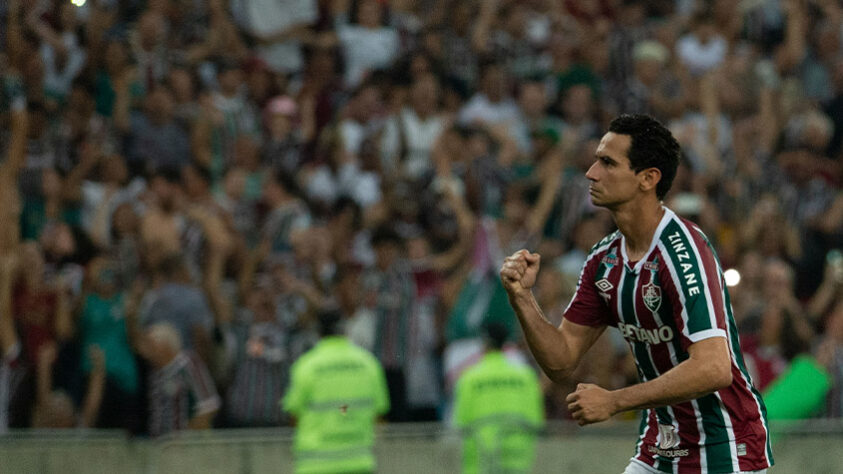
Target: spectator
{"x": 367, "y": 42}
{"x": 261, "y": 368}
{"x": 650, "y": 87}
{"x": 10, "y": 169}
{"x": 492, "y": 104}
{"x": 176, "y": 301}
{"x": 457, "y": 44}
{"x": 160, "y": 225}
{"x": 114, "y": 73}
{"x": 287, "y": 212}
{"x": 410, "y": 134}
{"x": 48, "y": 206}
{"x": 226, "y": 117}
{"x": 343, "y": 174}
{"x": 155, "y": 138}
{"x": 389, "y": 291}
{"x": 101, "y": 195}
{"x": 830, "y": 354}
{"x": 703, "y": 48}
{"x": 55, "y": 408}
{"x": 280, "y": 28}
{"x": 148, "y": 46}
{"x": 61, "y": 53}
{"x": 782, "y": 330}
{"x": 125, "y": 248}
{"x": 181, "y": 392}
{"x": 533, "y": 106}
{"x": 41, "y": 308}
{"x": 10, "y": 371}
{"x": 360, "y": 323}
{"x": 104, "y": 336}
{"x": 283, "y": 148}
{"x": 579, "y": 122}
{"x": 221, "y": 38}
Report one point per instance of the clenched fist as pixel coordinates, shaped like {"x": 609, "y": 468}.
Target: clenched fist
{"x": 591, "y": 404}
{"x": 519, "y": 271}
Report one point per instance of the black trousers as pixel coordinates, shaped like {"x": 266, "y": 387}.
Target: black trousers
{"x": 396, "y": 383}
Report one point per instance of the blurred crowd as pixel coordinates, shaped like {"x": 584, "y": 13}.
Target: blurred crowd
{"x": 185, "y": 182}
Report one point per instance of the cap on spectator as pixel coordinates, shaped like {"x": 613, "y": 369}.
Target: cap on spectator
{"x": 283, "y": 105}
{"x": 649, "y": 50}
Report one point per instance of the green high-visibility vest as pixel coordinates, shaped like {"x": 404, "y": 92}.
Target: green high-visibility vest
{"x": 337, "y": 390}
{"x": 499, "y": 408}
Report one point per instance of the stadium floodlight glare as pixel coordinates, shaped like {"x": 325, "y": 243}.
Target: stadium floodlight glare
{"x": 732, "y": 277}
{"x": 78, "y": 3}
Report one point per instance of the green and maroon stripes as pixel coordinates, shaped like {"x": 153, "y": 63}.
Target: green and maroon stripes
{"x": 681, "y": 269}
{"x": 667, "y": 356}
{"x": 629, "y": 283}
{"x": 699, "y": 311}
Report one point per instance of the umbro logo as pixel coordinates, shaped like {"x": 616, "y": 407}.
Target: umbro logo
{"x": 603, "y": 285}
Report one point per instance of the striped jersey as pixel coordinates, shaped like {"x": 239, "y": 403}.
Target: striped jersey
{"x": 9, "y": 374}
{"x": 178, "y": 392}
{"x": 260, "y": 375}
{"x": 673, "y": 297}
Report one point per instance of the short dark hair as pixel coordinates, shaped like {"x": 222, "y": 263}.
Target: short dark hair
{"x": 651, "y": 146}
{"x": 203, "y": 172}
{"x": 496, "y": 334}
{"x": 285, "y": 179}
{"x": 169, "y": 173}
{"x": 329, "y": 319}
{"x": 385, "y": 234}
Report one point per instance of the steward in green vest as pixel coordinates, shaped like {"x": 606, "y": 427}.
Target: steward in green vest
{"x": 337, "y": 391}
{"x": 499, "y": 409}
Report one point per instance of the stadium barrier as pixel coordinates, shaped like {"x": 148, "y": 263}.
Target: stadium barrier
{"x": 811, "y": 446}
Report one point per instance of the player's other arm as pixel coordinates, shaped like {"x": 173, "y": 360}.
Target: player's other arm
{"x": 707, "y": 370}
{"x": 557, "y": 350}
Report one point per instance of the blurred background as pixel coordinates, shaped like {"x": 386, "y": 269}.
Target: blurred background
{"x": 229, "y": 166}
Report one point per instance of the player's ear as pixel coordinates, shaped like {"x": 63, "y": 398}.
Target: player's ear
{"x": 649, "y": 178}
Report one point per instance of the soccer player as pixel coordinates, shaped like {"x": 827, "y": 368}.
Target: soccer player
{"x": 657, "y": 279}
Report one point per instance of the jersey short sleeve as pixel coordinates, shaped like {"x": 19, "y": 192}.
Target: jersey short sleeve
{"x": 694, "y": 273}
{"x": 587, "y": 307}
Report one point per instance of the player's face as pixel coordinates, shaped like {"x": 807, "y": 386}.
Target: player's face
{"x": 613, "y": 182}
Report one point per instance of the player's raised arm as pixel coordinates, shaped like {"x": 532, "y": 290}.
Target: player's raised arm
{"x": 557, "y": 350}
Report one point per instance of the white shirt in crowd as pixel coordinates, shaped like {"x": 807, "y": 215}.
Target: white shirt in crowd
{"x": 480, "y": 109}
{"x": 366, "y": 49}
{"x": 418, "y": 135}
{"x": 268, "y": 17}
{"x": 701, "y": 57}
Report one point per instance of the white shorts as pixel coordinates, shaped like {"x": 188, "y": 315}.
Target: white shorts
{"x": 638, "y": 467}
